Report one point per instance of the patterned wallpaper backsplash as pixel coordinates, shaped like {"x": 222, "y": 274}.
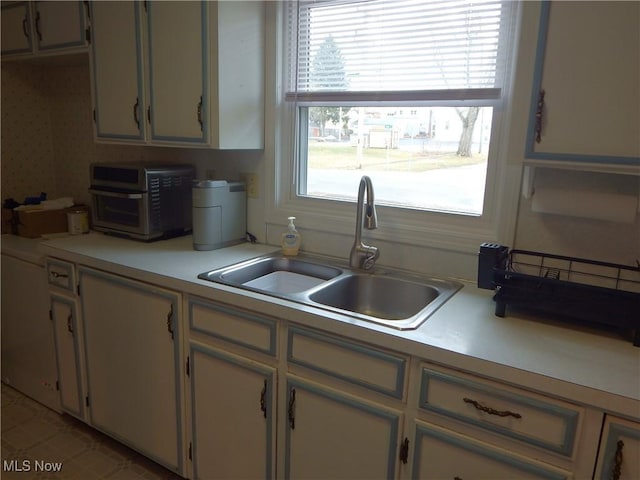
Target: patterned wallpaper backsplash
{"x": 27, "y": 145}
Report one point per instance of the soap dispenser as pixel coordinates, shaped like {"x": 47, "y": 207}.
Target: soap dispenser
{"x": 291, "y": 239}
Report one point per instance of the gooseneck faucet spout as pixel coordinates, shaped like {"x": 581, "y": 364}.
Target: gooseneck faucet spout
{"x": 364, "y": 256}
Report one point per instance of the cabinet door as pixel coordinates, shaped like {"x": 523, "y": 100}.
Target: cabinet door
{"x": 67, "y": 337}
{"x": 619, "y": 456}
{"x": 132, "y": 338}
{"x": 16, "y": 28}
{"x": 178, "y": 65}
{"x": 334, "y": 435}
{"x": 116, "y": 68}
{"x": 441, "y": 453}
{"x": 233, "y": 403}
{"x": 28, "y": 350}
{"x": 59, "y": 24}
{"x": 589, "y": 68}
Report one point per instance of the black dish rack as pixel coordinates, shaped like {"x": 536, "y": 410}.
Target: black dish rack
{"x": 585, "y": 291}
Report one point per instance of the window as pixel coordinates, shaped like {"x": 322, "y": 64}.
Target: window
{"x": 404, "y": 91}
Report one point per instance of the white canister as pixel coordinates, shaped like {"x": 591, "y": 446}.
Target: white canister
{"x": 78, "y": 222}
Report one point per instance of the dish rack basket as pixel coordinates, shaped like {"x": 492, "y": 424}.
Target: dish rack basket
{"x": 587, "y": 291}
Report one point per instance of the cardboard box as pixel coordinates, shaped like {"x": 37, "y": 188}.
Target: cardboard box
{"x": 34, "y": 223}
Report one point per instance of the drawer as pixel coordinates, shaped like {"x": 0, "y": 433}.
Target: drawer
{"x": 61, "y": 274}
{"x": 534, "y": 419}
{"x": 442, "y": 453}
{"x": 238, "y": 327}
{"x": 375, "y": 369}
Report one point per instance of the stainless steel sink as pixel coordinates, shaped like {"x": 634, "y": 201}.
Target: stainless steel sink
{"x": 272, "y": 274}
{"x": 389, "y": 297}
{"x": 377, "y": 296}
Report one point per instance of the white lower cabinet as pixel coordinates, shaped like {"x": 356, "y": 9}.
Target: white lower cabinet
{"x": 232, "y": 375}
{"x": 233, "y": 415}
{"x": 470, "y": 427}
{"x": 134, "y": 374}
{"x": 69, "y": 350}
{"x": 619, "y": 457}
{"x": 441, "y": 453}
{"x": 333, "y": 435}
{"x": 28, "y": 350}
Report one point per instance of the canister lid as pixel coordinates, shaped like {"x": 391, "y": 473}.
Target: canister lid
{"x": 209, "y": 183}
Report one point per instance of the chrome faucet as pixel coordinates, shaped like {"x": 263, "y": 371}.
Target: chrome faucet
{"x": 364, "y": 256}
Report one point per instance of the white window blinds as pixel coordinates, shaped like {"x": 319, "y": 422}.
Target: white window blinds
{"x": 396, "y": 50}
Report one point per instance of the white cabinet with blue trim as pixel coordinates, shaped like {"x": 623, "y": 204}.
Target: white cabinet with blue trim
{"x": 64, "y": 312}
{"x": 69, "y": 352}
{"x": 232, "y": 383}
{"x": 585, "y": 104}
{"x": 133, "y": 344}
{"x": 332, "y": 434}
{"x": 179, "y": 73}
{"x": 117, "y": 71}
{"x": 496, "y": 431}
{"x": 42, "y": 28}
{"x": 619, "y": 457}
{"x": 443, "y": 453}
{"x": 233, "y": 415}
{"x": 343, "y": 408}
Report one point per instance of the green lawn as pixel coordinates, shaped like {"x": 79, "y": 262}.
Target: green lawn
{"x": 345, "y": 157}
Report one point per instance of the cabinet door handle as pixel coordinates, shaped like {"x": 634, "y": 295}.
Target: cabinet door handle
{"x": 199, "y": 113}
{"x": 292, "y": 401}
{"x": 59, "y": 275}
{"x": 617, "y": 466}
{"x": 404, "y": 451}
{"x": 539, "y": 111}
{"x": 136, "y": 106}
{"x": 170, "y": 321}
{"x": 24, "y": 27}
{"x": 70, "y": 324}
{"x": 38, "y": 26}
{"x": 491, "y": 411}
{"x": 263, "y": 401}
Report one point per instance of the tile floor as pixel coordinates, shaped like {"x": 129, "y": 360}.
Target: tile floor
{"x": 33, "y": 433}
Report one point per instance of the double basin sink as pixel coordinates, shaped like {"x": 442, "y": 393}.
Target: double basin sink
{"x": 384, "y": 296}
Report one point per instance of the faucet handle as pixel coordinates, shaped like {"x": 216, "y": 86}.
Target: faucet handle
{"x": 372, "y": 254}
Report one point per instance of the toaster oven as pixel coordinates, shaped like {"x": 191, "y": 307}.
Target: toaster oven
{"x": 141, "y": 201}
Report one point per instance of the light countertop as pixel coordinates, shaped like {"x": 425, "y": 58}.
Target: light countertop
{"x": 583, "y": 366}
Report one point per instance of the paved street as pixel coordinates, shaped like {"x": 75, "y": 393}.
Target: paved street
{"x": 458, "y": 189}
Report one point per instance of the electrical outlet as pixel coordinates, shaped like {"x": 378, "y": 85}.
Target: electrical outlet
{"x": 253, "y": 187}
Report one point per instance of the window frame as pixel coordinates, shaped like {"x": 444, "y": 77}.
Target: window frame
{"x": 420, "y": 228}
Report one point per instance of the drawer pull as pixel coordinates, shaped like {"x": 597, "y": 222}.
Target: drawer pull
{"x": 59, "y": 275}
{"x": 491, "y": 411}
{"x": 617, "y": 466}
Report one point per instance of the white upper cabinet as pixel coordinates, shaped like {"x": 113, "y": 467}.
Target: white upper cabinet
{"x": 585, "y": 106}
{"x": 117, "y": 76}
{"x": 16, "y": 28}
{"x": 177, "y": 71}
{"x": 43, "y": 27}
{"x": 191, "y": 73}
{"x": 59, "y": 25}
